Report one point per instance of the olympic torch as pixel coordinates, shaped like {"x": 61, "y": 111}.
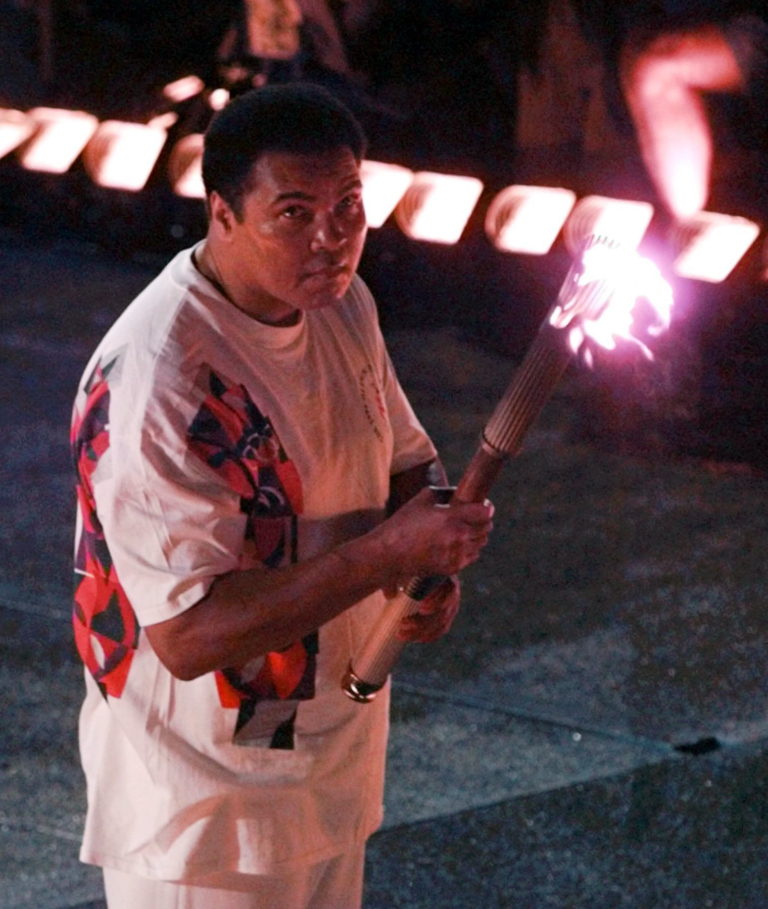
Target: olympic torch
{"x": 596, "y": 301}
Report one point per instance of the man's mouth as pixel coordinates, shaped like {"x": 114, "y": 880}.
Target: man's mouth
{"x": 328, "y": 273}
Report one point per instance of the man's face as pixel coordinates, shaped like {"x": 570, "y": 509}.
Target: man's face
{"x": 300, "y": 235}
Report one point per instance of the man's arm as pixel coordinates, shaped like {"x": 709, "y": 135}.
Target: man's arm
{"x": 251, "y": 612}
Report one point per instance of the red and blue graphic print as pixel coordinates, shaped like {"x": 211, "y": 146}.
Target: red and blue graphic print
{"x": 231, "y": 435}
{"x": 105, "y": 625}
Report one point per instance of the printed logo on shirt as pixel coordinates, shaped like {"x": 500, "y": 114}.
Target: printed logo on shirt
{"x": 105, "y": 625}
{"x": 373, "y": 401}
{"x": 231, "y": 435}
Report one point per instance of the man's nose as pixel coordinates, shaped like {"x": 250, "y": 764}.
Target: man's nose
{"x": 329, "y": 234}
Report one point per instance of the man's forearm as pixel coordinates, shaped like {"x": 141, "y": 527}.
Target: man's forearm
{"x": 251, "y": 612}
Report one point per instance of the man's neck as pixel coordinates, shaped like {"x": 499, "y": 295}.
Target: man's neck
{"x": 205, "y": 261}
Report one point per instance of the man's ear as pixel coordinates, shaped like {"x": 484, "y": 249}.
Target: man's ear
{"x": 220, "y": 215}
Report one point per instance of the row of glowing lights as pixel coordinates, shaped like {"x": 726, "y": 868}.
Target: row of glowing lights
{"x": 427, "y": 206}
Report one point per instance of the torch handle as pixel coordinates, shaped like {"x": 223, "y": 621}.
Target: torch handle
{"x": 383, "y": 647}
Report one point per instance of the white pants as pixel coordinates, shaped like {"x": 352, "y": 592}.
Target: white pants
{"x": 335, "y": 884}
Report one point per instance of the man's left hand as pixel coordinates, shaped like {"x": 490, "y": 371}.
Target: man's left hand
{"x": 435, "y": 616}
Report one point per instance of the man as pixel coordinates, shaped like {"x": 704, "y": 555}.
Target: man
{"x": 667, "y": 72}
{"x": 239, "y": 434}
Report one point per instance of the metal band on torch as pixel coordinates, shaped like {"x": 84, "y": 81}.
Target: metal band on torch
{"x": 380, "y": 653}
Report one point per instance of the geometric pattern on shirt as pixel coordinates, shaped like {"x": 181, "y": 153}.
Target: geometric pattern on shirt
{"x": 105, "y": 627}
{"x": 234, "y": 438}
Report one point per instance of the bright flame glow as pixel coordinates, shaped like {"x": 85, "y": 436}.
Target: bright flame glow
{"x": 599, "y": 296}
{"x": 182, "y": 89}
{"x": 121, "y": 155}
{"x": 61, "y": 136}
{"x": 15, "y": 127}
{"x": 436, "y": 207}
{"x": 710, "y": 245}
{"x": 527, "y": 219}
{"x": 185, "y": 167}
{"x": 383, "y": 187}
{"x": 624, "y": 221}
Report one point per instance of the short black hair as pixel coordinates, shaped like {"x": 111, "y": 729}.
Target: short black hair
{"x": 295, "y": 117}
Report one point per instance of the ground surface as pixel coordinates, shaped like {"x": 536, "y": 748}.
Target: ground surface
{"x": 591, "y": 734}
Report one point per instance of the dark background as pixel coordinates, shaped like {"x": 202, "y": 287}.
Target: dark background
{"x": 436, "y": 85}
{"x": 592, "y": 733}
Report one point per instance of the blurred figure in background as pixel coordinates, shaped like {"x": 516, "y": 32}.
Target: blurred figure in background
{"x": 261, "y": 44}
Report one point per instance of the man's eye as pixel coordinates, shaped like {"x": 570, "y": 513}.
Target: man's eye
{"x": 351, "y": 202}
{"x": 294, "y": 212}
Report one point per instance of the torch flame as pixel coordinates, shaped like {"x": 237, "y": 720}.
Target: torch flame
{"x": 599, "y": 297}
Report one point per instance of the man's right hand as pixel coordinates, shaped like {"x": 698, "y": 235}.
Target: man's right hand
{"x": 424, "y": 538}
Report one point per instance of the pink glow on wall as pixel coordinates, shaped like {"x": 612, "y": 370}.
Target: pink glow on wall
{"x": 621, "y": 220}
{"x": 436, "y": 207}
{"x": 121, "y": 155}
{"x": 183, "y": 89}
{"x": 383, "y": 187}
{"x": 15, "y": 127}
{"x": 59, "y": 138}
{"x": 710, "y": 245}
{"x": 527, "y": 219}
{"x": 185, "y": 167}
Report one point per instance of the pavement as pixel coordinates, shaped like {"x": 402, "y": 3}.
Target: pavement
{"x": 592, "y": 733}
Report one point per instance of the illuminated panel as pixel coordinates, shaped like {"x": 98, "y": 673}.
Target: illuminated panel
{"x": 708, "y": 246}
{"x": 185, "y": 167}
{"x": 527, "y": 219}
{"x": 164, "y": 121}
{"x": 182, "y": 89}
{"x": 15, "y": 127}
{"x": 620, "y": 220}
{"x": 436, "y": 207}
{"x": 60, "y": 137}
{"x": 218, "y": 98}
{"x": 383, "y": 187}
{"x": 121, "y": 155}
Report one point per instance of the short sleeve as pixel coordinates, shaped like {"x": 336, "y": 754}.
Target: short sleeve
{"x": 157, "y": 524}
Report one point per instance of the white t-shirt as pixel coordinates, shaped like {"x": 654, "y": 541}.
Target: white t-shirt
{"x": 206, "y": 442}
